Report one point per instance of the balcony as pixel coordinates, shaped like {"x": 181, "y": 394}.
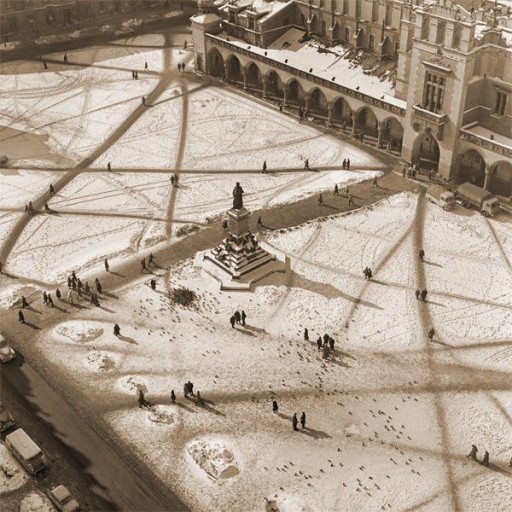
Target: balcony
{"x": 427, "y": 119}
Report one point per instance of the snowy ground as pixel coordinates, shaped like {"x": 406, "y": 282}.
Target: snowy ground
{"x": 390, "y": 417}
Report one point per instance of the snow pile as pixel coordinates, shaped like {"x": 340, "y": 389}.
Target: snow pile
{"x": 352, "y": 430}
{"x": 285, "y": 503}
{"x": 162, "y": 415}
{"x": 79, "y": 332}
{"x": 269, "y": 295}
{"x": 11, "y": 294}
{"x": 215, "y": 457}
{"x": 36, "y": 503}
{"x": 100, "y": 361}
{"x": 12, "y": 477}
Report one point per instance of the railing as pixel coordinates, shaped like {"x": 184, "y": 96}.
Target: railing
{"x": 307, "y": 76}
{"x": 483, "y": 142}
{"x": 431, "y": 117}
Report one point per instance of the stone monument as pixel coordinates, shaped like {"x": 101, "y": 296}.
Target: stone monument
{"x": 239, "y": 260}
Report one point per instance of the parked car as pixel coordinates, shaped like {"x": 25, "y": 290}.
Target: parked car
{"x": 6, "y": 351}
{"x": 26, "y": 451}
{"x": 62, "y": 499}
{"x": 6, "y": 420}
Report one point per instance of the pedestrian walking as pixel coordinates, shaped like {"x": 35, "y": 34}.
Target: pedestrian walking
{"x": 348, "y": 164}
{"x": 186, "y": 391}
{"x": 143, "y": 267}
{"x": 403, "y": 172}
{"x": 306, "y": 335}
{"x": 423, "y": 294}
{"x": 259, "y": 223}
{"x": 50, "y": 301}
{"x": 107, "y": 266}
{"x": 21, "y": 317}
{"x": 153, "y": 284}
{"x": 421, "y": 254}
{"x": 295, "y": 422}
{"x": 87, "y": 288}
{"x": 350, "y": 202}
{"x": 144, "y": 100}
{"x": 319, "y": 343}
{"x": 237, "y": 317}
{"x": 370, "y": 273}
{"x": 472, "y": 453}
{"x": 374, "y": 184}
{"x": 431, "y": 333}
{"x": 45, "y": 298}
{"x": 173, "y": 396}
{"x": 151, "y": 259}
{"x": 320, "y": 199}
{"x": 136, "y": 75}
{"x": 65, "y": 58}
{"x": 141, "y": 400}
{"x": 232, "y": 321}
{"x": 175, "y": 179}
{"x": 52, "y": 190}
{"x": 303, "y": 420}
{"x": 344, "y": 164}
{"x": 190, "y": 387}
{"x": 133, "y": 74}
{"x": 145, "y": 65}
{"x": 172, "y": 180}
{"x": 109, "y": 167}
{"x": 485, "y": 460}
{"x": 264, "y": 171}
{"x": 58, "y": 294}
{"x": 98, "y": 285}
{"x": 243, "y": 316}
{"x": 306, "y": 164}
{"x": 417, "y": 293}
{"x": 331, "y": 344}
{"x": 336, "y": 190}
{"x": 275, "y": 407}
{"x": 24, "y": 303}
{"x": 45, "y": 65}
{"x": 199, "y": 400}
{"x": 93, "y": 299}
{"x": 117, "y": 330}
{"x": 185, "y": 45}
{"x": 280, "y": 107}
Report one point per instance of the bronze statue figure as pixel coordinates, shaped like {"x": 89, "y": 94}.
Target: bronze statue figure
{"x": 237, "y": 197}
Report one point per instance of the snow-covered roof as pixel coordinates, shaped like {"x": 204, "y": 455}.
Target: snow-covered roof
{"x": 334, "y": 62}
{"x": 205, "y": 18}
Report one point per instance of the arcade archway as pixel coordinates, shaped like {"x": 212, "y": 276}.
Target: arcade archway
{"x": 234, "y": 69}
{"x": 254, "y": 77}
{"x": 392, "y": 134}
{"x": 500, "y": 179}
{"x": 295, "y": 94}
{"x": 366, "y": 122}
{"x": 425, "y": 152}
{"x": 472, "y": 168}
{"x": 215, "y": 63}
{"x": 274, "y": 85}
{"x": 341, "y": 113}
{"x": 318, "y": 103}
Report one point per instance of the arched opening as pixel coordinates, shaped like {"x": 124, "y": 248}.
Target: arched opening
{"x": 500, "y": 179}
{"x": 254, "y": 78}
{"x": 472, "y": 168}
{"x": 425, "y": 152}
{"x": 366, "y": 122}
{"x": 295, "y": 94}
{"x": 274, "y": 85}
{"x": 215, "y": 63}
{"x": 341, "y": 113}
{"x": 318, "y": 103}
{"x": 234, "y": 69}
{"x": 392, "y": 134}
{"x": 314, "y": 25}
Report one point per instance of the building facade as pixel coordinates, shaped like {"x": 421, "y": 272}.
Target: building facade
{"x": 435, "y": 80}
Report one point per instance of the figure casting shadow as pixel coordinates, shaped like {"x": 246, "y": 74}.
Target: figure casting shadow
{"x": 32, "y": 326}
{"x": 315, "y": 434}
{"x": 111, "y": 295}
{"x": 186, "y": 407}
{"x": 128, "y": 339}
{"x": 244, "y": 331}
{"x": 116, "y": 273}
{"x": 433, "y": 263}
{"x": 106, "y": 309}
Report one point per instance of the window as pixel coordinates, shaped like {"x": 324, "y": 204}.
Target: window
{"x": 425, "y": 26}
{"x": 433, "y": 92}
{"x": 251, "y": 23}
{"x": 358, "y": 8}
{"x": 371, "y": 42}
{"x": 345, "y": 6}
{"x": 441, "y": 29}
{"x": 456, "y": 36}
{"x": 375, "y": 11}
{"x": 231, "y": 17}
{"x": 389, "y": 12}
{"x": 347, "y": 34}
{"x": 501, "y": 103}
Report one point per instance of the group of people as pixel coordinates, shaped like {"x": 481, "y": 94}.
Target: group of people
{"x": 368, "y": 274}
{"x": 485, "y": 461}
{"x": 83, "y": 289}
{"x": 346, "y": 164}
{"x": 188, "y": 390}
{"x": 135, "y": 74}
{"x": 29, "y": 208}
{"x": 181, "y": 66}
{"x": 237, "y": 318}
{"x": 144, "y": 266}
{"x": 295, "y": 420}
{"x": 421, "y": 294}
{"x": 174, "y": 180}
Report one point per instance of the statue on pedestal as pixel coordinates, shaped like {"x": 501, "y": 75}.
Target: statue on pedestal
{"x": 238, "y": 203}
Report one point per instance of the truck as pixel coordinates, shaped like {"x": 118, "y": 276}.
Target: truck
{"x": 471, "y": 195}
{"x": 26, "y": 451}
{"x": 439, "y": 195}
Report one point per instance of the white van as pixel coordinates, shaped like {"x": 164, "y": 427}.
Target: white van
{"x": 439, "y": 195}
{"x": 26, "y": 451}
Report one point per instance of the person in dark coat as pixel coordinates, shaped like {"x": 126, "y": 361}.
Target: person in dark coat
{"x": 303, "y": 420}
{"x": 264, "y": 171}
{"x": 141, "y": 400}
{"x": 320, "y": 199}
{"x": 423, "y": 294}
{"x": 21, "y": 317}
{"x": 243, "y": 316}
{"x": 295, "y": 421}
{"x": 87, "y": 288}
{"x": 237, "y": 317}
{"x": 348, "y": 164}
{"x": 421, "y": 254}
{"x": 24, "y": 303}
{"x": 344, "y": 164}
{"x": 186, "y": 391}
{"x": 50, "y": 301}
{"x": 109, "y": 167}
{"x": 485, "y": 460}
{"x": 275, "y": 407}
{"x": 232, "y": 321}
{"x": 431, "y": 333}
{"x": 417, "y": 293}
{"x": 199, "y": 400}
{"x": 106, "y": 265}
{"x": 190, "y": 387}
{"x": 143, "y": 267}
{"x": 58, "y": 294}
{"x": 52, "y": 190}
{"x": 259, "y": 223}
{"x": 98, "y": 285}
{"x": 319, "y": 343}
{"x": 153, "y": 284}
{"x": 173, "y": 396}
{"x": 331, "y": 343}
{"x": 69, "y": 282}
{"x": 306, "y": 335}
{"x": 336, "y": 190}
{"x": 306, "y": 164}
{"x": 370, "y": 273}
{"x": 472, "y": 453}
{"x": 117, "y": 330}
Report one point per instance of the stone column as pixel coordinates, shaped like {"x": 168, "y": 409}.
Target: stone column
{"x": 264, "y": 88}
{"x": 306, "y": 106}
{"x": 244, "y": 72}
{"x": 487, "y": 176}
{"x": 380, "y": 135}
{"x": 285, "y": 94}
{"x": 329, "y": 113}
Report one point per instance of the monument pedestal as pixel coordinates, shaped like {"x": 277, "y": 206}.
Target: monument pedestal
{"x": 238, "y": 261}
